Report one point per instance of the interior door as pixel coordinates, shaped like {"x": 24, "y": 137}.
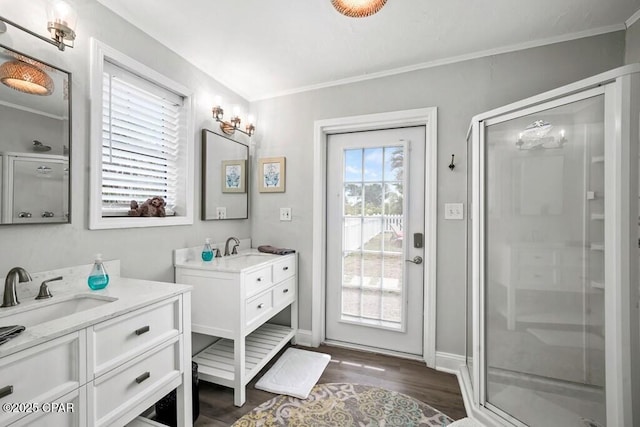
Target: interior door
{"x": 375, "y": 239}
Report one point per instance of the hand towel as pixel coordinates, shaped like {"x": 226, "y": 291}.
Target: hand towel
{"x": 268, "y": 249}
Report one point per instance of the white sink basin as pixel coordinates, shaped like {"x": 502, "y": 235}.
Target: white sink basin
{"x": 37, "y": 312}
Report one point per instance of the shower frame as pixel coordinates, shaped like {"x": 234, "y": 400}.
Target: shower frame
{"x": 620, "y": 88}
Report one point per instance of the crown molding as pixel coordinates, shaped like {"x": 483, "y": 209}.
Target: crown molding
{"x": 447, "y": 61}
{"x": 632, "y": 19}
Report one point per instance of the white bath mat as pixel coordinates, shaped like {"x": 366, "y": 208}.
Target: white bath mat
{"x": 294, "y": 373}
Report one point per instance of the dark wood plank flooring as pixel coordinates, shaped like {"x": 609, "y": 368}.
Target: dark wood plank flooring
{"x": 410, "y": 377}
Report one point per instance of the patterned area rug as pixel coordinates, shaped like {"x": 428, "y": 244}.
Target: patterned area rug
{"x": 345, "y": 405}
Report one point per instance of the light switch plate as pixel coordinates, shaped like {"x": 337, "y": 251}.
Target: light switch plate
{"x": 221, "y": 213}
{"x": 285, "y": 214}
{"x": 453, "y": 211}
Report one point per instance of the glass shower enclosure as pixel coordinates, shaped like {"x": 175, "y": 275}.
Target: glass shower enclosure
{"x": 552, "y": 328}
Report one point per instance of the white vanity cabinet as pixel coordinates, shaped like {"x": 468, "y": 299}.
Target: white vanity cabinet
{"x": 235, "y": 304}
{"x": 110, "y": 368}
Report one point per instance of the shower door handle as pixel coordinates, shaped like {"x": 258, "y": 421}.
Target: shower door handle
{"x": 416, "y": 260}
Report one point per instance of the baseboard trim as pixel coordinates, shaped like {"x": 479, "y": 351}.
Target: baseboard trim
{"x": 304, "y": 338}
{"x": 449, "y": 362}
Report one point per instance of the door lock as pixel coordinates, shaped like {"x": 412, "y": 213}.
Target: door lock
{"x": 416, "y": 260}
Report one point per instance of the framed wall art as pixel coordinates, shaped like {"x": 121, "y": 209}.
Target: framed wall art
{"x": 234, "y": 176}
{"x": 271, "y": 175}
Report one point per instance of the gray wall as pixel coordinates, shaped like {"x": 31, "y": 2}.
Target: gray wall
{"x": 285, "y": 128}
{"x": 459, "y": 91}
{"x": 632, "y": 49}
{"x": 145, "y": 253}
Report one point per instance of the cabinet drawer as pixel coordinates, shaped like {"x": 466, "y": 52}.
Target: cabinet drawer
{"x": 258, "y": 280}
{"x": 284, "y": 269}
{"x": 115, "y": 393}
{"x": 66, "y": 411}
{"x": 115, "y": 341}
{"x": 41, "y": 374}
{"x": 284, "y": 293}
{"x": 258, "y": 306}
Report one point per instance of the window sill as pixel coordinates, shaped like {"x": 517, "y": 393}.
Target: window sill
{"x": 138, "y": 222}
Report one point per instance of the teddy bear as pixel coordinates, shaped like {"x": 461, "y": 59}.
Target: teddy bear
{"x": 152, "y": 207}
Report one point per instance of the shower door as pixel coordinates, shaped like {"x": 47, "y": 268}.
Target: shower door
{"x": 544, "y": 209}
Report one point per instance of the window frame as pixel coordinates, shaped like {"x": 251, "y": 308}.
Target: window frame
{"x": 100, "y": 53}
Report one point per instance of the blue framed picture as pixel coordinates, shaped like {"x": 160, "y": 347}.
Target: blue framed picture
{"x": 271, "y": 175}
{"x": 234, "y": 176}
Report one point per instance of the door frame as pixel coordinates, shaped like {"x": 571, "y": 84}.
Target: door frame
{"x": 426, "y": 117}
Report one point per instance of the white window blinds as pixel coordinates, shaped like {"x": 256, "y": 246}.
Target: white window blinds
{"x": 140, "y": 141}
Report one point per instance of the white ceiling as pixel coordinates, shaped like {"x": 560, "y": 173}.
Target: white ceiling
{"x": 262, "y": 48}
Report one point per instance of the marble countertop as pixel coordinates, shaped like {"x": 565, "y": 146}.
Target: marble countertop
{"x": 131, "y": 295}
{"x": 245, "y": 259}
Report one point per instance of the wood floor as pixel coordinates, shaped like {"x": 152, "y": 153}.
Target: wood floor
{"x": 410, "y": 377}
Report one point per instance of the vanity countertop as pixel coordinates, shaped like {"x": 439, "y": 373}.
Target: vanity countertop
{"x": 245, "y": 259}
{"x": 131, "y": 295}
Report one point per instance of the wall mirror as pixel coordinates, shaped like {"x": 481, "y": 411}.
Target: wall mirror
{"x": 35, "y": 144}
{"x": 225, "y": 189}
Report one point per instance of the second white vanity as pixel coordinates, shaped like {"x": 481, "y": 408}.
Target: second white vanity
{"x": 234, "y": 297}
{"x": 95, "y": 358}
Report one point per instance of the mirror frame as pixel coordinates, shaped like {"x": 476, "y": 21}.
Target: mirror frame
{"x": 69, "y": 140}
{"x": 205, "y": 167}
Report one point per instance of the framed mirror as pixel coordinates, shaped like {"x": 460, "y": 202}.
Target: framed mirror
{"x": 225, "y": 188}
{"x": 35, "y": 118}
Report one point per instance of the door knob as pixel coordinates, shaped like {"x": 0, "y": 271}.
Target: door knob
{"x": 416, "y": 260}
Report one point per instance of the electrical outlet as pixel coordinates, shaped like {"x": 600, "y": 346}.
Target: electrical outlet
{"x": 285, "y": 214}
{"x": 453, "y": 211}
{"x": 221, "y": 213}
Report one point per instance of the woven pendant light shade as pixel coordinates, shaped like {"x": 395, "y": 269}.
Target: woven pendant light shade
{"x": 358, "y": 8}
{"x": 26, "y": 78}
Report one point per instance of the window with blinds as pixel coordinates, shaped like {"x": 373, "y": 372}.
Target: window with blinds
{"x": 140, "y": 141}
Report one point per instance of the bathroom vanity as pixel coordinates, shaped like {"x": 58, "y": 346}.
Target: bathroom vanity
{"x": 234, "y": 297}
{"x": 95, "y": 358}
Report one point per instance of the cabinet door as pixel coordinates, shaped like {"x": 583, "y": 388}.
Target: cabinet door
{"x": 39, "y": 190}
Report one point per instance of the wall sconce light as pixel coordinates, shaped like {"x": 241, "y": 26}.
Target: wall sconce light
{"x": 61, "y": 23}
{"x": 234, "y": 122}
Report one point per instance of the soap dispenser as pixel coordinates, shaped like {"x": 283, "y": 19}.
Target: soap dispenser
{"x": 207, "y": 252}
{"x": 98, "y": 278}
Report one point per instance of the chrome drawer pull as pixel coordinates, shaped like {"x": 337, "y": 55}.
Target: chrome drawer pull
{"x": 143, "y": 377}
{"x": 142, "y": 330}
{"x": 285, "y": 268}
{"x": 261, "y": 305}
{"x": 284, "y": 291}
{"x": 6, "y": 391}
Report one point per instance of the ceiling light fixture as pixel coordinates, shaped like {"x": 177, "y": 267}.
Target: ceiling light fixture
{"x": 26, "y": 78}
{"x": 233, "y": 124}
{"x": 61, "y": 23}
{"x": 358, "y": 8}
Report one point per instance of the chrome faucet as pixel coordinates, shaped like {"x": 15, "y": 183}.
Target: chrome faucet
{"x": 14, "y": 276}
{"x": 234, "y": 250}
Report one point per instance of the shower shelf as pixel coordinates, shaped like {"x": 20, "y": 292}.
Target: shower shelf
{"x": 597, "y": 246}
{"x": 597, "y": 216}
{"x": 597, "y": 159}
